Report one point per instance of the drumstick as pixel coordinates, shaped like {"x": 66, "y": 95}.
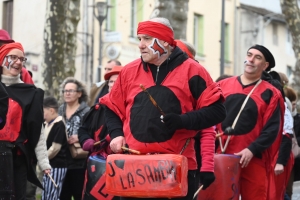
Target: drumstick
{"x": 152, "y": 100}
{"x": 96, "y": 143}
{"x": 130, "y": 150}
{"x": 219, "y": 135}
{"x": 52, "y": 180}
{"x": 196, "y": 193}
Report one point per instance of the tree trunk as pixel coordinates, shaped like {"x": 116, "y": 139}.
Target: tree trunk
{"x": 291, "y": 12}
{"x": 176, "y": 12}
{"x": 60, "y": 32}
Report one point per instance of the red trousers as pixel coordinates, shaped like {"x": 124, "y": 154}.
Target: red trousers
{"x": 254, "y": 181}
{"x": 282, "y": 179}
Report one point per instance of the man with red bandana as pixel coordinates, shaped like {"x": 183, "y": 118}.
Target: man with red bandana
{"x": 255, "y": 136}
{"x": 184, "y": 91}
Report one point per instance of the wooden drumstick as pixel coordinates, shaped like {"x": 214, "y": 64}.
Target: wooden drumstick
{"x": 96, "y": 143}
{"x": 219, "y": 135}
{"x": 152, "y": 100}
{"x": 52, "y": 180}
{"x": 196, "y": 193}
{"x": 131, "y": 150}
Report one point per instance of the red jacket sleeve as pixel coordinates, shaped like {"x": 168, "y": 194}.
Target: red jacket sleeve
{"x": 207, "y": 144}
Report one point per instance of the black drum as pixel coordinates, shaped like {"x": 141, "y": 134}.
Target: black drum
{"x": 94, "y": 184}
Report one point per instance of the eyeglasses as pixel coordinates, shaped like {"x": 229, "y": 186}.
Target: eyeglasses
{"x": 15, "y": 58}
{"x": 69, "y": 91}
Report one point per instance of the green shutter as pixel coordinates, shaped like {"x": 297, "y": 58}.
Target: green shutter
{"x": 200, "y": 35}
{"x": 113, "y": 15}
{"x": 139, "y": 11}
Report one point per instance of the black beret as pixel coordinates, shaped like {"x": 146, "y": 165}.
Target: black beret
{"x": 267, "y": 54}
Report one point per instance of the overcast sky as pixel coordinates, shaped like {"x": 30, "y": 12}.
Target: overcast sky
{"x": 272, "y": 5}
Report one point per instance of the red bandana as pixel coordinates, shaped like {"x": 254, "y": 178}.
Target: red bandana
{"x": 6, "y": 48}
{"x": 157, "y": 30}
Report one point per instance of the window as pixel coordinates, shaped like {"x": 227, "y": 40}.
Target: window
{"x": 199, "y": 34}
{"x": 227, "y": 44}
{"x": 136, "y": 15}
{"x": 111, "y": 16}
{"x": 275, "y": 34}
{"x": 7, "y": 21}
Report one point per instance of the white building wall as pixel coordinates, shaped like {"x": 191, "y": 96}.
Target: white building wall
{"x": 282, "y": 51}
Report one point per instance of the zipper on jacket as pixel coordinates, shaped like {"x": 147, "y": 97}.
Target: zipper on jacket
{"x": 156, "y": 74}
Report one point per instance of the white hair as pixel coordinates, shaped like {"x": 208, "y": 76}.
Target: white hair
{"x": 163, "y": 21}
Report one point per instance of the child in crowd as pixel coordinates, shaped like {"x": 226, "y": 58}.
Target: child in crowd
{"x": 57, "y": 147}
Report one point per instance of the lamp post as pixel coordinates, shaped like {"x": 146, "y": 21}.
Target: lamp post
{"x": 100, "y": 13}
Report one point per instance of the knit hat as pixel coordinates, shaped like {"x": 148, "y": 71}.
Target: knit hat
{"x": 6, "y": 48}
{"x": 4, "y": 36}
{"x": 115, "y": 70}
{"x": 267, "y": 54}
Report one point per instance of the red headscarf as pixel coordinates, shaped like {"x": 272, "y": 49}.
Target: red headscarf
{"x": 157, "y": 30}
{"x": 184, "y": 48}
{"x": 6, "y": 48}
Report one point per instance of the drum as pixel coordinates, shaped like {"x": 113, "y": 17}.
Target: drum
{"x": 145, "y": 176}
{"x": 94, "y": 184}
{"x": 226, "y": 185}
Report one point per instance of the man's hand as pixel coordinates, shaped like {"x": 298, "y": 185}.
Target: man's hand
{"x": 173, "y": 121}
{"x": 246, "y": 156}
{"x": 117, "y": 143}
{"x": 207, "y": 178}
{"x": 279, "y": 168}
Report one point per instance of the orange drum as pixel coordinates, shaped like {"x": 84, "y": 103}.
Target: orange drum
{"x": 226, "y": 185}
{"x": 156, "y": 176}
{"x": 94, "y": 184}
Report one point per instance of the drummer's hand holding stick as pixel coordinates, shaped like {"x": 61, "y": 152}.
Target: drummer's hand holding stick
{"x": 246, "y": 156}
{"x": 49, "y": 175}
{"x": 117, "y": 143}
{"x": 206, "y": 178}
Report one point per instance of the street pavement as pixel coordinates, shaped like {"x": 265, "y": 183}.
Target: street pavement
{"x": 296, "y": 191}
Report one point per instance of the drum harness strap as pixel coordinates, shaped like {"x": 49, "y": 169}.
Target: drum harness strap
{"x": 223, "y": 149}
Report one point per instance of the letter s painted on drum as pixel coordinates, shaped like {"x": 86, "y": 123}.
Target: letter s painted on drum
{"x": 138, "y": 173}
{"x": 112, "y": 169}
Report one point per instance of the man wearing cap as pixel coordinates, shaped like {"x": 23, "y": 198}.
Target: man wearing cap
{"x": 252, "y": 126}
{"x": 100, "y": 89}
{"x": 189, "y": 100}
{"x": 5, "y": 39}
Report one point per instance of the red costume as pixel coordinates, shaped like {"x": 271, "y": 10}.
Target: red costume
{"x": 257, "y": 129}
{"x": 146, "y": 133}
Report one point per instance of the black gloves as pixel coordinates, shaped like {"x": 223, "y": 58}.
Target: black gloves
{"x": 206, "y": 178}
{"x": 173, "y": 121}
{"x": 229, "y": 131}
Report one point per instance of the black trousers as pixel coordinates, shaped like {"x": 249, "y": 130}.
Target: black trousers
{"x": 13, "y": 173}
{"x": 192, "y": 188}
{"x": 20, "y": 176}
{"x": 73, "y": 184}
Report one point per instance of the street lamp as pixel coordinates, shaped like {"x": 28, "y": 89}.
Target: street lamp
{"x": 100, "y": 13}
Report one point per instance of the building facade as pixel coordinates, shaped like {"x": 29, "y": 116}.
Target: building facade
{"x": 25, "y": 20}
